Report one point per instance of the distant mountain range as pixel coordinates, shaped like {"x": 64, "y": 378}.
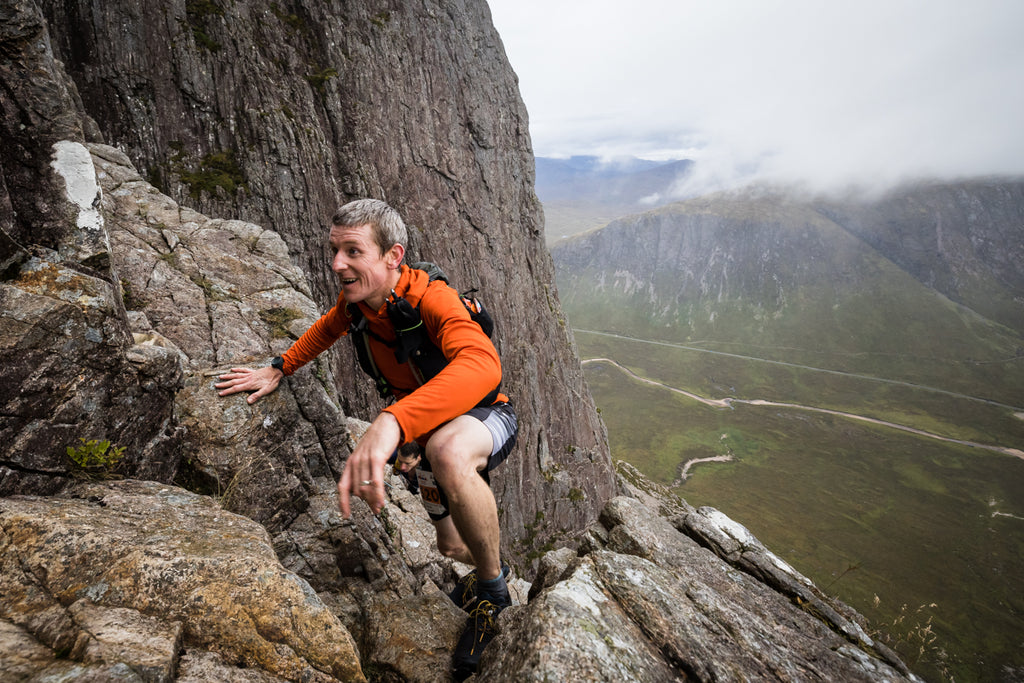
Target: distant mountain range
{"x": 623, "y": 180}
{"x": 933, "y": 270}
{"x": 585, "y": 192}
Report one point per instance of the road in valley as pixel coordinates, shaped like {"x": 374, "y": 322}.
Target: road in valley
{"x": 804, "y": 367}
{"x": 730, "y": 402}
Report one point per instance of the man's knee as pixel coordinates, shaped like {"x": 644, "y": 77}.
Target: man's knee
{"x": 461, "y": 450}
{"x": 446, "y": 451}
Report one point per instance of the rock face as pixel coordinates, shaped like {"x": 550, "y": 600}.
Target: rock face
{"x": 71, "y": 369}
{"x": 144, "y": 581}
{"x": 647, "y": 602}
{"x": 223, "y": 292}
{"x": 277, "y": 112}
{"x": 124, "y": 575}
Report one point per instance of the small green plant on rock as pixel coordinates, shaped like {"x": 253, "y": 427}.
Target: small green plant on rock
{"x": 197, "y": 13}
{"x": 216, "y": 170}
{"x": 279, "y": 319}
{"x": 292, "y": 21}
{"x": 133, "y": 301}
{"x": 95, "y": 455}
{"x": 318, "y": 78}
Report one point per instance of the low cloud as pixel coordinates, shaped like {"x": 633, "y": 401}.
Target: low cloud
{"x": 823, "y": 94}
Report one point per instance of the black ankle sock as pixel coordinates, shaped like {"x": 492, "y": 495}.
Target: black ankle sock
{"x": 493, "y": 590}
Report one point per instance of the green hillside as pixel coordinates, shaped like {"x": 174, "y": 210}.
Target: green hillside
{"x": 914, "y": 532}
{"x": 781, "y": 281}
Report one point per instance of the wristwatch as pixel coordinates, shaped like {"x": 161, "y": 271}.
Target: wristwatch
{"x": 277, "y": 363}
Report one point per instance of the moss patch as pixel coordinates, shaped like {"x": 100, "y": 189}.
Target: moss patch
{"x": 319, "y": 78}
{"x": 279, "y": 319}
{"x": 216, "y": 170}
{"x": 197, "y": 13}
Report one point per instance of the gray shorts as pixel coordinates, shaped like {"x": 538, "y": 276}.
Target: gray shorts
{"x": 501, "y": 421}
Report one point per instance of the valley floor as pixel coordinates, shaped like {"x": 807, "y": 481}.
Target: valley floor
{"x": 893, "y": 494}
{"x": 728, "y": 402}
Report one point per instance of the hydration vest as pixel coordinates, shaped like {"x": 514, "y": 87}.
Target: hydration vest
{"x": 412, "y": 344}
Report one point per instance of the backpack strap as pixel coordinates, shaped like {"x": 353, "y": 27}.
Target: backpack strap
{"x": 360, "y": 334}
{"x": 410, "y": 332}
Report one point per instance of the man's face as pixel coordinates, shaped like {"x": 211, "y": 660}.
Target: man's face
{"x": 365, "y": 273}
{"x": 405, "y": 463}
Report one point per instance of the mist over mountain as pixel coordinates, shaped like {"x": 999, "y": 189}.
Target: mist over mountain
{"x": 617, "y": 180}
{"x": 581, "y": 193}
{"x": 856, "y": 275}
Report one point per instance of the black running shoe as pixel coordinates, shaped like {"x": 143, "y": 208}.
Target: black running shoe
{"x": 480, "y": 631}
{"x": 464, "y": 593}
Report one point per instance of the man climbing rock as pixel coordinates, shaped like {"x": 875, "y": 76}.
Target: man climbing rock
{"x": 452, "y": 408}
{"x": 403, "y": 463}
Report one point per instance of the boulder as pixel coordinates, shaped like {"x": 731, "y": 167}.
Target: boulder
{"x": 127, "y": 574}
{"x": 653, "y": 604}
{"x": 73, "y": 373}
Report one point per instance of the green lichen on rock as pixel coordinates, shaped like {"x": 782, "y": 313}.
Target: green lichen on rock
{"x": 216, "y": 170}
{"x": 279, "y": 319}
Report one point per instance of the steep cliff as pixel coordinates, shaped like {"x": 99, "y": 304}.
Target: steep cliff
{"x": 276, "y": 112}
{"x": 962, "y": 239}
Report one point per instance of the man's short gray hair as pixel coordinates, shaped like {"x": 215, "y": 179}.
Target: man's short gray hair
{"x": 386, "y": 225}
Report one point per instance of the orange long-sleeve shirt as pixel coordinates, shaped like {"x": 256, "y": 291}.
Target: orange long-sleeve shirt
{"x": 473, "y": 370}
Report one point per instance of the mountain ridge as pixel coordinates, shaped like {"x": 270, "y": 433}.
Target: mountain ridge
{"x": 972, "y": 227}
{"x": 688, "y": 246}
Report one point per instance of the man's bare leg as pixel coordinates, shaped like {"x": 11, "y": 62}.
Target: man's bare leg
{"x": 456, "y": 453}
{"x": 450, "y": 543}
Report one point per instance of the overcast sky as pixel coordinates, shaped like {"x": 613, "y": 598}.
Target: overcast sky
{"x": 822, "y": 91}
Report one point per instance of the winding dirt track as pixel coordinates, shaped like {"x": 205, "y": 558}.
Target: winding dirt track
{"x": 730, "y": 402}
{"x": 841, "y": 373}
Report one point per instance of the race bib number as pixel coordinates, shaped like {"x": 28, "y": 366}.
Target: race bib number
{"x": 429, "y": 492}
